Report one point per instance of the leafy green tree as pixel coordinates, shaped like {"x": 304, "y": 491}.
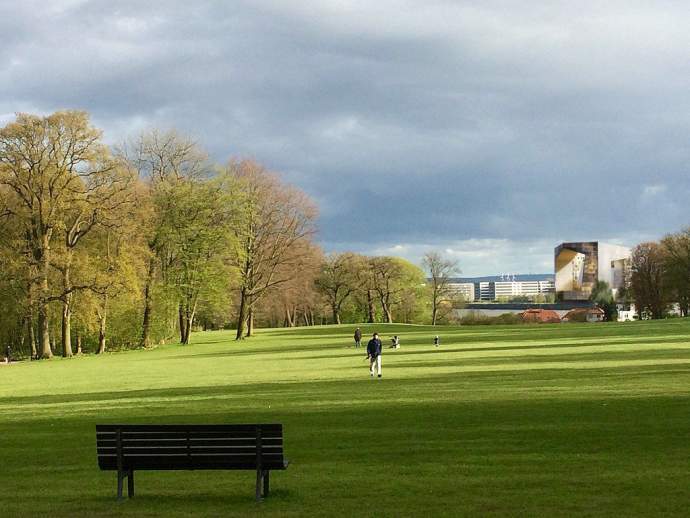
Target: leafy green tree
{"x": 197, "y": 230}
{"x": 603, "y": 297}
{"x": 393, "y": 277}
{"x": 676, "y": 250}
{"x": 166, "y": 162}
{"x": 45, "y": 162}
{"x": 647, "y": 274}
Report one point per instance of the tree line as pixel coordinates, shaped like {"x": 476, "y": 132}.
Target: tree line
{"x": 659, "y": 276}
{"x": 141, "y": 243}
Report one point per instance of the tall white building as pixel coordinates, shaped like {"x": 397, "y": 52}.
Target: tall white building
{"x": 503, "y": 289}
{"x": 464, "y": 289}
{"x": 499, "y": 287}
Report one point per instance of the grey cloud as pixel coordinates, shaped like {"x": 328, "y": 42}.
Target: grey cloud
{"x": 410, "y": 122}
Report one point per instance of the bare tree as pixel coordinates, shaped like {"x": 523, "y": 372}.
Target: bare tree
{"x": 276, "y": 218}
{"x": 441, "y": 272}
{"x": 338, "y": 280}
{"x": 297, "y": 301}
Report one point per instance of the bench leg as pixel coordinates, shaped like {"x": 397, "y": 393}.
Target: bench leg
{"x": 258, "y": 485}
{"x": 266, "y": 482}
{"x": 130, "y": 483}
{"x": 120, "y": 478}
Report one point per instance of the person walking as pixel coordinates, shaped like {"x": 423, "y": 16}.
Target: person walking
{"x": 374, "y": 350}
{"x": 8, "y": 354}
{"x": 358, "y": 337}
{"x": 437, "y": 341}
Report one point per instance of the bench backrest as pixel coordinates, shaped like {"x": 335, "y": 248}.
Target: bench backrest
{"x": 219, "y": 446}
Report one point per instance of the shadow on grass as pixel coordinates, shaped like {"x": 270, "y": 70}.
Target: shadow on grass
{"x": 404, "y": 351}
{"x": 574, "y": 358}
{"x": 445, "y": 348}
{"x": 510, "y": 449}
{"x": 488, "y": 333}
{"x": 358, "y": 389}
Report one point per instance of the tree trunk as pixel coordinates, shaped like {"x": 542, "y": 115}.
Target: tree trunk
{"x": 190, "y": 312}
{"x": 30, "y": 320}
{"x": 371, "y": 310}
{"x": 386, "y": 310}
{"x": 67, "y": 307}
{"x": 242, "y": 315}
{"x": 102, "y": 317}
{"x": 43, "y": 323}
{"x": 66, "y": 327}
{"x": 183, "y": 323}
{"x": 188, "y": 329}
{"x": 250, "y": 322}
{"x": 79, "y": 350}
{"x": 32, "y": 337}
{"x": 336, "y": 314}
{"x": 148, "y": 304}
{"x": 288, "y": 317}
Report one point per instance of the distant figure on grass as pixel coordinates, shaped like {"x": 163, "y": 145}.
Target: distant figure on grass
{"x": 374, "y": 349}
{"x": 437, "y": 341}
{"x": 358, "y": 337}
{"x": 395, "y": 342}
{"x": 8, "y": 354}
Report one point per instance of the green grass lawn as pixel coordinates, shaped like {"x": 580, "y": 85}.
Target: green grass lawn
{"x": 551, "y": 420}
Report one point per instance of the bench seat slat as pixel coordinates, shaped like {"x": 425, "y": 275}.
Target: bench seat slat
{"x": 201, "y": 428}
{"x": 129, "y": 451}
{"x": 270, "y": 442}
{"x": 155, "y": 462}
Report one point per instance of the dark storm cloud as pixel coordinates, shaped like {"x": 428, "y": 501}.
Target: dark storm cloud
{"x": 414, "y": 124}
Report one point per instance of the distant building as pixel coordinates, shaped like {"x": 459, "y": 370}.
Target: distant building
{"x": 474, "y": 309}
{"x": 579, "y": 265}
{"x": 485, "y": 290}
{"x": 500, "y": 287}
{"x": 585, "y": 315}
{"x": 540, "y": 316}
{"x": 464, "y": 289}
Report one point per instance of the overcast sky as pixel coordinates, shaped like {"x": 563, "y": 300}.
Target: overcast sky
{"x": 489, "y": 130}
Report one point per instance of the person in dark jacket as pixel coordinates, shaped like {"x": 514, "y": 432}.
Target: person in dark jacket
{"x": 374, "y": 349}
{"x": 358, "y": 337}
{"x": 8, "y": 354}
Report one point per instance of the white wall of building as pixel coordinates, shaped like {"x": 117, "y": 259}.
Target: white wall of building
{"x": 465, "y": 289}
{"x": 611, "y": 264}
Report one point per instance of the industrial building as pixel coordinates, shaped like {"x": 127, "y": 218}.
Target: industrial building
{"x": 499, "y": 287}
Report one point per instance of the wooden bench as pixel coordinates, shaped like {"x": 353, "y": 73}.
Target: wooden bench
{"x": 126, "y": 448}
